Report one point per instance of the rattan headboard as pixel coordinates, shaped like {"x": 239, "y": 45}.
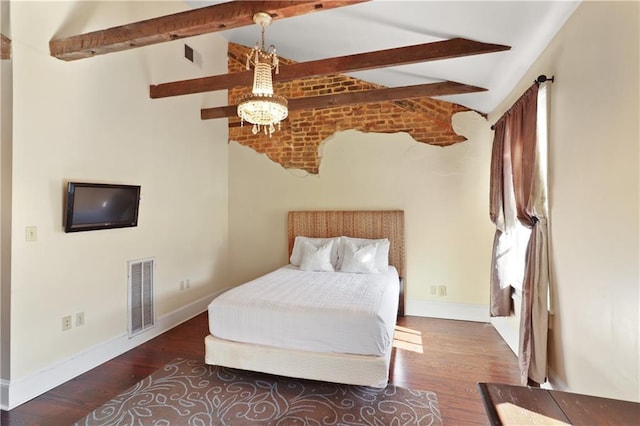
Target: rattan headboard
{"x": 361, "y": 224}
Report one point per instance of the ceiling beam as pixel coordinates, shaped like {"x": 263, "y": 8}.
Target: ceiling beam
{"x": 453, "y": 48}
{"x": 190, "y": 23}
{"x": 5, "y": 47}
{"x": 363, "y": 97}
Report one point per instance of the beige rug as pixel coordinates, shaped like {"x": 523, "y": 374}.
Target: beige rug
{"x": 188, "y": 392}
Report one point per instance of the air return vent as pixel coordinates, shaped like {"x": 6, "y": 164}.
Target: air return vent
{"x": 141, "y": 295}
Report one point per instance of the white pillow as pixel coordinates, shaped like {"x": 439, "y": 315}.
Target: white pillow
{"x": 316, "y": 258}
{"x": 360, "y": 259}
{"x": 382, "y": 252}
{"x": 296, "y": 253}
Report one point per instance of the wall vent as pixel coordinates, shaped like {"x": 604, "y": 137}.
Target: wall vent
{"x": 141, "y": 295}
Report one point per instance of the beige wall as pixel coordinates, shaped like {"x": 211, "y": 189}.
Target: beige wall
{"x": 443, "y": 191}
{"x": 93, "y": 120}
{"x": 594, "y": 197}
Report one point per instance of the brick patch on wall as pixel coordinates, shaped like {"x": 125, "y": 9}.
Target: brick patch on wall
{"x": 295, "y": 146}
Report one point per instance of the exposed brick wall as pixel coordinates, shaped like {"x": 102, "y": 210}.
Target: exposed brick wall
{"x": 295, "y": 146}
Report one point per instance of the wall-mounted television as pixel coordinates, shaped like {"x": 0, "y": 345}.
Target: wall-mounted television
{"x": 91, "y": 206}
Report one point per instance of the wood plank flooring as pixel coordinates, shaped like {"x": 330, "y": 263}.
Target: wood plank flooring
{"x": 456, "y": 355}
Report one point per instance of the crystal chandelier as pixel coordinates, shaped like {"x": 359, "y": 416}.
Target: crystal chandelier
{"x": 262, "y": 107}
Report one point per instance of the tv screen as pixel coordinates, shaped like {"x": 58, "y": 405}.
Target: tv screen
{"x": 91, "y": 206}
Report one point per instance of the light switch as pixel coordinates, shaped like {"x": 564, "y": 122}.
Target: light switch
{"x": 31, "y": 233}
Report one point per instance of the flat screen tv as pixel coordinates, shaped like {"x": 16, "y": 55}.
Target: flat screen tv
{"x": 91, "y": 206}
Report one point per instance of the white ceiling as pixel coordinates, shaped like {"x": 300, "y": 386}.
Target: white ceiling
{"x": 526, "y": 26}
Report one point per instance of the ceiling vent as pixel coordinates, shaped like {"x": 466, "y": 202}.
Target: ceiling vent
{"x": 188, "y": 52}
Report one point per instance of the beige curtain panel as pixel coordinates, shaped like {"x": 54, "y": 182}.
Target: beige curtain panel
{"x": 518, "y": 190}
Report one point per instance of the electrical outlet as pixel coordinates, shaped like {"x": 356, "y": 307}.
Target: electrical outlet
{"x": 31, "y": 233}
{"x": 79, "y": 319}
{"x": 433, "y": 290}
{"x": 185, "y": 284}
{"x": 442, "y": 290}
{"x": 66, "y": 323}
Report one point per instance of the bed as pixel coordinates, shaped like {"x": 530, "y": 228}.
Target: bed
{"x": 286, "y": 323}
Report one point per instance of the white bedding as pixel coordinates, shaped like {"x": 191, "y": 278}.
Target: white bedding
{"x": 333, "y": 312}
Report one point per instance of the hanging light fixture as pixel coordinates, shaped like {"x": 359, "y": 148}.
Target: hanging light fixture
{"x": 262, "y": 107}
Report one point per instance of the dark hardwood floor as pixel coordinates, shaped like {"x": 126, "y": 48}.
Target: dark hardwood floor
{"x": 444, "y": 356}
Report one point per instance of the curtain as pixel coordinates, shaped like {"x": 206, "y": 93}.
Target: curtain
{"x": 518, "y": 188}
{"x": 500, "y": 297}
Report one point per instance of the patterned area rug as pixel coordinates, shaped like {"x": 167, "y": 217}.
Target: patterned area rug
{"x": 188, "y": 392}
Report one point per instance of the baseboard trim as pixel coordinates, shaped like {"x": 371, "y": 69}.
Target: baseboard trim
{"x": 454, "y": 311}
{"x": 18, "y": 391}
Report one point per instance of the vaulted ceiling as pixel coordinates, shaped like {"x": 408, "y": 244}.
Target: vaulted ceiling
{"x": 526, "y": 26}
{"x": 496, "y": 42}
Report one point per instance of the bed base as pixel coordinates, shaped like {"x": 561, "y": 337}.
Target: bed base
{"x": 350, "y": 369}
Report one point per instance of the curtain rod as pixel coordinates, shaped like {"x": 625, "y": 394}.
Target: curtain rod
{"x": 541, "y": 79}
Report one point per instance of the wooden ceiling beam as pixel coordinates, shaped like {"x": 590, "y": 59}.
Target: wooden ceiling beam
{"x": 5, "y": 47}
{"x": 190, "y": 23}
{"x": 363, "y": 97}
{"x": 453, "y": 48}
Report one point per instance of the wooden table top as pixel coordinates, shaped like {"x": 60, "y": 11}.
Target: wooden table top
{"x": 520, "y": 405}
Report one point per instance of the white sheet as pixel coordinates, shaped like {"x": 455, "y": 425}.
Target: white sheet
{"x": 313, "y": 311}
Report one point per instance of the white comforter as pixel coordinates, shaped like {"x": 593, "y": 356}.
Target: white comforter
{"x": 314, "y": 311}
